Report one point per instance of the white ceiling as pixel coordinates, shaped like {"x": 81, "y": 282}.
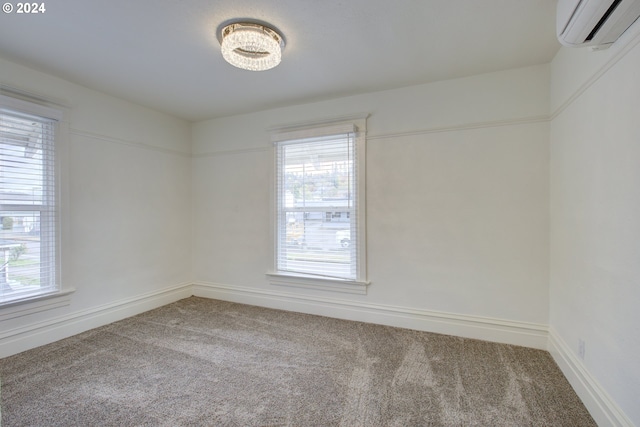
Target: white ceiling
{"x": 165, "y": 54}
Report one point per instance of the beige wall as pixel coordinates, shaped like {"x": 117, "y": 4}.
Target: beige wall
{"x": 457, "y": 204}
{"x": 595, "y": 227}
{"x": 126, "y": 210}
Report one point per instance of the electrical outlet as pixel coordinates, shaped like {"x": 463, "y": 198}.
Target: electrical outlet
{"x": 581, "y": 348}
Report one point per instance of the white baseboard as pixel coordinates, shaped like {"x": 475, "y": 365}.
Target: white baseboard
{"x": 600, "y": 405}
{"x": 40, "y": 333}
{"x": 483, "y": 328}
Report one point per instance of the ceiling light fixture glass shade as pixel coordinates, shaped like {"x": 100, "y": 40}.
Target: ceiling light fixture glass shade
{"x": 251, "y": 46}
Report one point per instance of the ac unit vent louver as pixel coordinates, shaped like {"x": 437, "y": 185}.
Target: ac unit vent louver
{"x": 596, "y": 23}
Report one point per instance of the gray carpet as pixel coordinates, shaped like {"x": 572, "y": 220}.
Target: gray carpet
{"x": 202, "y": 362}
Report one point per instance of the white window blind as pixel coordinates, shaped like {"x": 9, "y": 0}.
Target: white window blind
{"x": 27, "y": 201}
{"x": 317, "y": 218}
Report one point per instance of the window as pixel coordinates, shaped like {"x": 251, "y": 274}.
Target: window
{"x": 27, "y": 200}
{"x": 320, "y": 220}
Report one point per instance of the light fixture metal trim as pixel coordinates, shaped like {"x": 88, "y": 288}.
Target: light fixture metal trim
{"x": 251, "y": 46}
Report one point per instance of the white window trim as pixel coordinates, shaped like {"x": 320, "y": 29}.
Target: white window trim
{"x": 35, "y": 304}
{"x": 27, "y": 103}
{"x": 278, "y": 278}
{"x": 309, "y": 282}
{"x": 30, "y": 108}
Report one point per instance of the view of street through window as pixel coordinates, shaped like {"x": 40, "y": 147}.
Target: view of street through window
{"x": 318, "y": 209}
{"x": 25, "y": 205}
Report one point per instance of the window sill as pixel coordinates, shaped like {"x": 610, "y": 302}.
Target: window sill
{"x": 309, "y": 282}
{"x": 35, "y": 304}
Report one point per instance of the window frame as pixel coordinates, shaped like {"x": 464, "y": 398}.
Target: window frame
{"x": 309, "y": 281}
{"x": 55, "y": 295}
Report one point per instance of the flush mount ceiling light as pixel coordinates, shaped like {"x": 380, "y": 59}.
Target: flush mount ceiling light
{"x": 251, "y": 46}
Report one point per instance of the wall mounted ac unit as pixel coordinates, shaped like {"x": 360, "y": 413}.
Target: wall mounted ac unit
{"x": 596, "y": 23}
